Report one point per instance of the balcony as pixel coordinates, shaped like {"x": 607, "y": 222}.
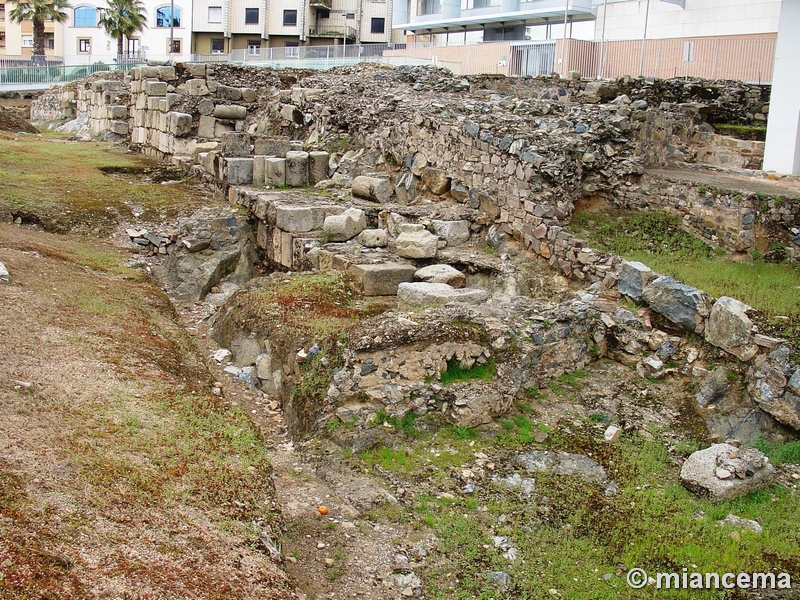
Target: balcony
{"x": 333, "y": 32}
{"x": 321, "y": 4}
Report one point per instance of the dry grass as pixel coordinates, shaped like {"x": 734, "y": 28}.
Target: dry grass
{"x": 120, "y": 475}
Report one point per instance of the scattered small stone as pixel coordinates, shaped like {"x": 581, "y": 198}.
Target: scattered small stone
{"x": 612, "y": 434}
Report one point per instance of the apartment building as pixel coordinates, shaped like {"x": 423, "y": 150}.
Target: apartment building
{"x": 16, "y": 39}
{"x": 221, "y": 26}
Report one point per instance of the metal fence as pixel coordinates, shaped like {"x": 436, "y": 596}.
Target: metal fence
{"x": 21, "y": 77}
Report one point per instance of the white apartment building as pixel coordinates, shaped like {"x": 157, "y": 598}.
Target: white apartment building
{"x": 16, "y": 39}
{"x": 625, "y": 20}
{"x": 221, "y": 26}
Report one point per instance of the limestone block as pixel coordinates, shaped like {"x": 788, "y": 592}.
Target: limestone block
{"x": 229, "y": 93}
{"x": 441, "y": 274}
{"x": 155, "y": 88}
{"x": 454, "y": 233}
{"x": 248, "y": 95}
{"x": 206, "y": 106}
{"x": 197, "y": 87}
{"x": 230, "y": 111}
{"x": 317, "y": 166}
{"x": 220, "y": 128}
{"x": 239, "y": 170}
{"x": 372, "y": 188}
{"x": 381, "y": 279}
{"x": 682, "y": 304}
{"x": 435, "y": 180}
{"x": 235, "y": 143}
{"x": 296, "y": 219}
{"x": 415, "y": 241}
{"x": 119, "y": 127}
{"x": 196, "y": 69}
{"x": 259, "y": 172}
{"x": 730, "y": 328}
{"x": 432, "y": 294}
{"x": 272, "y": 146}
{"x": 118, "y": 112}
{"x": 724, "y": 472}
{"x": 297, "y": 169}
{"x": 179, "y": 124}
{"x": 275, "y": 174}
{"x": 343, "y": 227}
{"x": 633, "y": 278}
{"x": 205, "y": 128}
{"x": 166, "y": 73}
{"x": 374, "y": 238}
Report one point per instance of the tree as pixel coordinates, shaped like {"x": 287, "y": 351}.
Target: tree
{"x": 122, "y": 19}
{"x": 39, "y": 11}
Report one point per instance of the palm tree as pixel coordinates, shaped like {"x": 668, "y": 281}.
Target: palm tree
{"x": 122, "y": 19}
{"x": 39, "y": 11}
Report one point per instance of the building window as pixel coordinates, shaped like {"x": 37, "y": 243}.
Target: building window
{"x": 291, "y": 50}
{"x": 289, "y": 18}
{"x": 2, "y": 39}
{"x": 27, "y": 41}
{"x": 429, "y": 7}
{"x": 84, "y": 46}
{"x": 251, "y": 16}
{"x": 215, "y": 14}
{"x": 254, "y": 47}
{"x": 176, "y": 46}
{"x": 50, "y": 42}
{"x": 85, "y": 16}
{"x": 378, "y": 25}
{"x": 350, "y": 16}
{"x": 165, "y": 19}
{"x": 217, "y": 45}
{"x": 133, "y": 46}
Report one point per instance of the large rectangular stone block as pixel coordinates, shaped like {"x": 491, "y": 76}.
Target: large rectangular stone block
{"x": 259, "y": 170}
{"x": 382, "y": 279}
{"x": 239, "y": 170}
{"x": 236, "y": 143}
{"x": 275, "y": 172}
{"x": 206, "y": 127}
{"x": 296, "y": 168}
{"x": 317, "y": 166}
{"x": 155, "y": 88}
{"x": 272, "y": 146}
{"x": 179, "y": 124}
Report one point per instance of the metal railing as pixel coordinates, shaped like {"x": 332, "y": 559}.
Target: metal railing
{"x": 45, "y": 76}
{"x": 333, "y": 31}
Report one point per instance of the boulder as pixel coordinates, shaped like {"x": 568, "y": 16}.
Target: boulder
{"x": 415, "y": 241}
{"x": 374, "y": 238}
{"x": 382, "y": 279}
{"x": 730, "y": 328}
{"x": 682, "y": 304}
{"x": 562, "y": 463}
{"x": 714, "y": 386}
{"x": 435, "y": 180}
{"x": 245, "y": 350}
{"x": 633, "y": 278}
{"x": 441, "y": 274}
{"x": 774, "y": 386}
{"x": 4, "y": 276}
{"x": 432, "y": 294}
{"x": 724, "y": 472}
{"x": 343, "y": 227}
{"x": 372, "y": 188}
{"x": 454, "y": 233}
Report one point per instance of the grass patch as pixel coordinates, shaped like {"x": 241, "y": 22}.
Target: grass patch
{"x": 658, "y": 241}
{"x": 756, "y": 133}
{"x": 456, "y": 373}
{"x": 780, "y": 454}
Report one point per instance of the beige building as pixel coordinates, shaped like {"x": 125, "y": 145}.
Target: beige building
{"x": 223, "y": 26}
{"x": 16, "y": 39}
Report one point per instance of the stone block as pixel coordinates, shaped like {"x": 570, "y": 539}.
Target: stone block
{"x": 415, "y": 241}
{"x": 454, "y": 233}
{"x": 248, "y": 95}
{"x": 196, "y": 69}
{"x": 730, "y": 328}
{"x": 167, "y": 73}
{"x": 118, "y": 112}
{"x": 435, "y": 180}
{"x": 382, "y": 279}
{"x": 179, "y": 124}
{"x": 259, "y": 170}
{"x": 724, "y": 472}
{"x": 684, "y": 305}
{"x": 434, "y": 294}
{"x": 317, "y": 166}
{"x": 633, "y": 278}
{"x": 275, "y": 172}
{"x": 119, "y": 127}
{"x": 230, "y": 111}
{"x": 197, "y": 87}
{"x": 441, "y": 274}
{"x": 372, "y": 188}
{"x": 220, "y": 128}
{"x": 297, "y": 169}
{"x": 374, "y": 238}
{"x": 272, "y": 146}
{"x": 343, "y": 227}
{"x": 229, "y": 93}
{"x": 239, "y": 171}
{"x": 235, "y": 143}
{"x": 206, "y": 127}
{"x": 155, "y": 88}
{"x": 296, "y": 219}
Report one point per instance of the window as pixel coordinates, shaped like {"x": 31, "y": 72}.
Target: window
{"x": 291, "y": 50}
{"x": 176, "y": 46}
{"x": 85, "y": 16}
{"x": 254, "y": 47}
{"x": 84, "y": 45}
{"x": 350, "y": 16}
{"x": 133, "y": 46}
{"x": 27, "y": 41}
{"x": 429, "y": 7}
{"x": 217, "y": 45}
{"x": 378, "y": 25}
{"x": 215, "y": 14}
{"x": 164, "y": 19}
{"x": 50, "y": 42}
{"x": 251, "y": 16}
{"x": 289, "y": 18}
